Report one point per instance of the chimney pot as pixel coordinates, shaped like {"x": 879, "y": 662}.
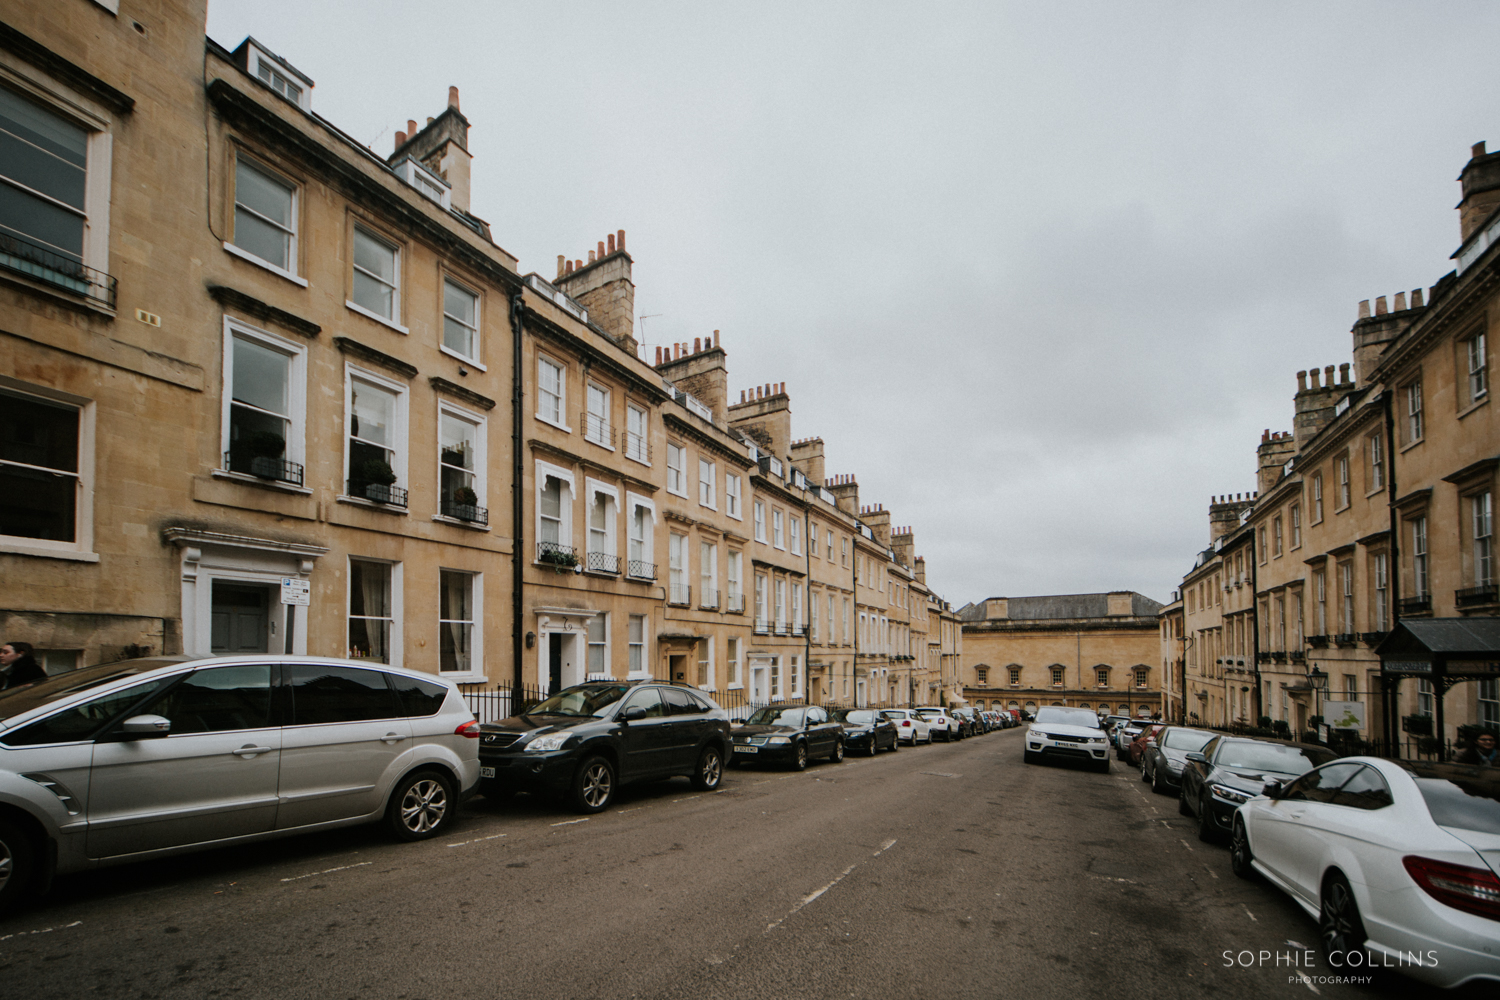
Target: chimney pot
{"x": 453, "y": 98}
{"x": 611, "y": 242}
{"x": 1302, "y": 381}
{"x": 1380, "y": 307}
{"x": 620, "y": 239}
{"x": 1399, "y": 305}
{"x": 1416, "y": 298}
{"x": 577, "y": 264}
{"x": 658, "y": 355}
{"x": 1477, "y": 150}
{"x": 400, "y": 139}
{"x": 1312, "y": 376}
{"x": 569, "y": 267}
{"x": 1328, "y": 376}
{"x": 601, "y": 249}
{"x": 591, "y": 256}
{"x": 429, "y": 119}
{"x": 697, "y": 344}
{"x": 1344, "y": 373}
{"x": 1364, "y": 309}
{"x": 1265, "y": 435}
{"x": 742, "y": 395}
{"x": 560, "y": 265}
{"x": 411, "y": 126}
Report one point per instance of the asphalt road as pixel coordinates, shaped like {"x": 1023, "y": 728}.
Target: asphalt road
{"x": 951, "y": 871}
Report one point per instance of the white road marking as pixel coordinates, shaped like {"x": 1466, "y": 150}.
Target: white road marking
{"x": 478, "y": 840}
{"x": 1248, "y": 913}
{"x": 1209, "y": 870}
{"x": 939, "y": 774}
{"x": 570, "y": 822}
{"x": 1308, "y": 982}
{"x": 1184, "y": 844}
{"x": 630, "y": 810}
{"x": 811, "y": 896}
{"x": 887, "y": 846}
{"x": 41, "y": 930}
{"x": 325, "y": 871}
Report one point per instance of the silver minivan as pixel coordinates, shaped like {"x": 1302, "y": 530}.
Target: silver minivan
{"x": 141, "y": 758}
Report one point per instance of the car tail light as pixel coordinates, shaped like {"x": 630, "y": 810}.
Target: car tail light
{"x": 905, "y": 722}
{"x": 469, "y": 729}
{"x": 1473, "y": 890}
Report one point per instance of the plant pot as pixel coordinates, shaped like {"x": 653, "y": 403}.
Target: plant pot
{"x": 265, "y": 467}
{"x": 378, "y": 492}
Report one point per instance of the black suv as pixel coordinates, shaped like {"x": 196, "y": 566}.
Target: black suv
{"x": 585, "y": 741}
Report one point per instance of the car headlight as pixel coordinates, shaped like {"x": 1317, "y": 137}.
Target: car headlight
{"x": 1032, "y": 734}
{"x": 552, "y": 741}
{"x": 1232, "y": 794}
{"x": 779, "y": 739}
{"x": 1097, "y": 739}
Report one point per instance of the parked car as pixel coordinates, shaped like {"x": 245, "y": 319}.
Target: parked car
{"x": 789, "y": 733}
{"x": 585, "y": 741}
{"x": 1124, "y": 733}
{"x": 941, "y": 722}
{"x": 1231, "y": 770}
{"x": 910, "y": 727}
{"x": 1162, "y": 764}
{"x": 1068, "y": 733}
{"x": 865, "y": 730}
{"x": 967, "y": 726}
{"x": 1394, "y": 858}
{"x": 135, "y": 759}
{"x": 1145, "y": 739}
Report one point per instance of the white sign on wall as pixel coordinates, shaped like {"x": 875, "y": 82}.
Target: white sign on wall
{"x": 296, "y": 591}
{"x": 1344, "y": 714}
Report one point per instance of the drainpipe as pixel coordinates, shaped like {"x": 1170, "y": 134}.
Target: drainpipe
{"x": 854, "y": 611}
{"x": 1255, "y": 621}
{"x": 1393, "y": 569}
{"x": 807, "y": 605}
{"x": 518, "y": 529}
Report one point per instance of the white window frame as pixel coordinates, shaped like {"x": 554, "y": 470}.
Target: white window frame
{"x": 399, "y": 445}
{"x": 1295, "y": 513}
{"x": 396, "y": 641}
{"x": 474, "y": 357}
{"x": 760, "y": 520}
{"x": 778, "y": 592}
{"x": 637, "y": 665}
{"x": 294, "y": 213}
{"x": 476, "y": 628}
{"x": 481, "y": 455}
{"x": 734, "y": 578}
{"x": 296, "y": 441}
{"x": 634, "y": 502}
{"x": 1482, "y": 537}
{"x": 397, "y": 263}
{"x": 794, "y": 672}
{"x": 259, "y": 60}
{"x": 1346, "y": 491}
{"x": 706, "y": 665}
{"x": 1377, "y": 462}
{"x": 559, "y": 398}
{"x": 597, "y": 426}
{"x": 1476, "y": 352}
{"x": 796, "y": 606}
{"x": 732, "y": 496}
{"x": 707, "y": 477}
{"x": 1415, "y": 418}
{"x": 590, "y": 645}
{"x": 1380, "y": 570}
{"x": 1420, "y": 582}
{"x": 778, "y": 528}
{"x": 637, "y": 443}
{"x": 732, "y": 664}
{"x": 594, "y": 489}
{"x": 677, "y": 571}
{"x": 762, "y": 621}
{"x": 708, "y": 573}
{"x": 565, "y": 505}
{"x": 81, "y": 548}
{"x": 795, "y": 528}
{"x": 676, "y": 470}
{"x": 812, "y": 614}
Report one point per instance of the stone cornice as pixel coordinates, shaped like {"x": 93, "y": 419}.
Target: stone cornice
{"x": 232, "y": 298}
{"x": 355, "y": 349}
{"x": 459, "y": 392}
{"x": 68, "y": 72}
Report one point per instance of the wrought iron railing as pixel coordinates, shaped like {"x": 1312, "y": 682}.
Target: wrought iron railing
{"x": 708, "y": 597}
{"x": 37, "y": 262}
{"x": 762, "y": 627}
{"x": 735, "y": 603}
{"x": 1415, "y": 605}
{"x": 1318, "y": 641}
{"x": 1373, "y": 638}
{"x": 464, "y": 512}
{"x": 1345, "y": 639}
{"x": 382, "y": 493}
{"x": 263, "y": 467}
{"x": 637, "y": 447}
{"x": 597, "y": 429}
{"x": 602, "y": 562}
{"x": 1468, "y": 597}
{"x": 639, "y": 569}
{"x": 680, "y": 593}
{"x": 556, "y": 555}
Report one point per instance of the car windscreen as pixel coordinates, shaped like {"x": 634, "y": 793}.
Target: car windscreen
{"x": 1465, "y": 803}
{"x": 29, "y": 696}
{"x": 1186, "y": 740}
{"x": 773, "y": 716}
{"x": 584, "y": 700}
{"x": 1067, "y": 717}
{"x": 1271, "y": 757}
{"x": 854, "y": 716}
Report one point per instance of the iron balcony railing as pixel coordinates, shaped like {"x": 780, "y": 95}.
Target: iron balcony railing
{"x": 264, "y": 467}
{"x": 762, "y": 627}
{"x": 464, "y": 512}
{"x": 735, "y": 603}
{"x": 41, "y": 264}
{"x": 1345, "y": 638}
{"x": 392, "y": 496}
{"x": 708, "y": 597}
{"x": 637, "y": 447}
{"x": 556, "y": 555}
{"x": 681, "y": 593}
{"x": 1318, "y": 641}
{"x": 597, "y": 429}
{"x": 1468, "y": 597}
{"x": 603, "y": 562}
{"x": 1415, "y": 605}
{"x": 639, "y": 569}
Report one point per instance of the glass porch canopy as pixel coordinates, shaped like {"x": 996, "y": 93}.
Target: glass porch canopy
{"x": 1441, "y": 650}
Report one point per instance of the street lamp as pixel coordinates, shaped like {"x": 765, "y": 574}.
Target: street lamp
{"x": 1319, "y": 682}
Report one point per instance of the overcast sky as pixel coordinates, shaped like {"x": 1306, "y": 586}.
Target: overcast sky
{"x": 1038, "y": 274}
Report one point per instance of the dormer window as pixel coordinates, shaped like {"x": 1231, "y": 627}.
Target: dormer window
{"x": 273, "y": 78}
{"x": 426, "y": 182}
{"x": 276, "y": 73}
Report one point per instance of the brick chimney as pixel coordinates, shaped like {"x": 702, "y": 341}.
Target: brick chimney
{"x": 764, "y": 415}
{"x": 604, "y": 287}
{"x": 807, "y": 455}
{"x": 442, "y": 146}
{"x": 845, "y": 490}
{"x": 1272, "y": 455}
{"x": 1480, "y": 179}
{"x": 879, "y": 520}
{"x": 1314, "y": 404}
{"x": 920, "y": 568}
{"x": 904, "y": 544}
{"x": 703, "y": 374}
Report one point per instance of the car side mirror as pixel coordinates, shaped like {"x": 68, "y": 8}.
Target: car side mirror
{"x": 1197, "y": 758}
{"x": 145, "y": 726}
{"x": 633, "y": 713}
{"x": 1272, "y": 789}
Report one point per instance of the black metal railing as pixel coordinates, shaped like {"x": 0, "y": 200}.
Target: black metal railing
{"x": 762, "y": 627}
{"x": 597, "y": 429}
{"x": 602, "y": 562}
{"x": 1415, "y": 605}
{"x": 680, "y": 593}
{"x": 382, "y": 493}
{"x": 556, "y": 555}
{"x": 263, "y": 467}
{"x": 799, "y": 630}
{"x": 464, "y": 512}
{"x": 1468, "y": 597}
{"x": 499, "y": 702}
{"x": 708, "y": 597}
{"x": 1298, "y": 656}
{"x": 1372, "y": 638}
{"x": 637, "y": 447}
{"x": 1345, "y": 639}
{"x": 65, "y": 273}
{"x": 1318, "y": 641}
{"x": 639, "y": 569}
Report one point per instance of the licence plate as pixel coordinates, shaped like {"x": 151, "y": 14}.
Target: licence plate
{"x": 740, "y": 749}
{"x": 486, "y": 772}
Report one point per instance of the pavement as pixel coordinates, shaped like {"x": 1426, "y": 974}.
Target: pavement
{"x": 952, "y": 871}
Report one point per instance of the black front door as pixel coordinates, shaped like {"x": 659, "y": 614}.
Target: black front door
{"x": 241, "y": 618}
{"x": 554, "y": 662}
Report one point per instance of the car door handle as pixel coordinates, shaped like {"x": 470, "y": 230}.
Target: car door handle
{"x": 249, "y": 750}
{"x": 392, "y": 738}
{"x": 1296, "y": 815}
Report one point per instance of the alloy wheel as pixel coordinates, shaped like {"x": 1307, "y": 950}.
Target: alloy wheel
{"x": 1339, "y": 923}
{"x": 423, "y": 806}
{"x": 596, "y": 784}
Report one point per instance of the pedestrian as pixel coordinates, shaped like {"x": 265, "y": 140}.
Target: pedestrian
{"x": 1481, "y": 752}
{"x": 18, "y": 666}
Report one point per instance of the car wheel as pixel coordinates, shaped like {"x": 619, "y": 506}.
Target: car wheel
{"x": 895, "y": 744}
{"x": 1156, "y": 783}
{"x": 1339, "y": 923}
{"x": 874, "y": 749}
{"x": 17, "y": 866}
{"x": 838, "y": 751}
{"x": 799, "y": 759}
{"x": 710, "y": 770}
{"x": 1206, "y": 831}
{"x": 1183, "y": 809}
{"x": 1103, "y": 766}
{"x": 593, "y": 785}
{"x": 1027, "y": 757}
{"x": 422, "y": 806}
{"x": 1144, "y": 776}
{"x": 1239, "y": 851}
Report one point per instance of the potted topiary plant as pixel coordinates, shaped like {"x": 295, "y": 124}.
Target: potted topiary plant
{"x": 375, "y": 479}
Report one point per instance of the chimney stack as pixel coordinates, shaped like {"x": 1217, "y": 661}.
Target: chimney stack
{"x": 1480, "y": 181}
{"x": 607, "y": 291}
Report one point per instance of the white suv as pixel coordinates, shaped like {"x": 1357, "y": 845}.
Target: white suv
{"x": 941, "y": 722}
{"x": 1071, "y": 733}
{"x": 140, "y": 758}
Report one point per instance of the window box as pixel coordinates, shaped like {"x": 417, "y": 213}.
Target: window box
{"x": 555, "y": 555}
{"x": 263, "y": 467}
{"x": 1415, "y": 605}
{"x": 465, "y": 512}
{"x": 1469, "y": 597}
{"x": 383, "y": 493}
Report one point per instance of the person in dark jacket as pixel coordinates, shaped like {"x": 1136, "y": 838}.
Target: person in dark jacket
{"x": 1482, "y": 752}
{"x": 18, "y": 666}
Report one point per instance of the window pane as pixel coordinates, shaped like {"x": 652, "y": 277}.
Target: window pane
{"x": 262, "y": 239}
{"x": 50, "y": 134}
{"x": 36, "y": 504}
{"x": 260, "y": 376}
{"x": 369, "y": 589}
{"x": 457, "y": 441}
{"x": 82, "y": 721}
{"x": 371, "y": 413}
{"x": 418, "y": 697}
{"x": 459, "y": 307}
{"x": 456, "y": 611}
{"x": 218, "y": 700}
{"x": 262, "y": 195}
{"x": 38, "y": 432}
{"x": 326, "y": 694}
{"x": 40, "y": 222}
{"x": 374, "y": 274}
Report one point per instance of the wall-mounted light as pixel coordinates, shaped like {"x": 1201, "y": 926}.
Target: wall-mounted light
{"x": 530, "y": 639}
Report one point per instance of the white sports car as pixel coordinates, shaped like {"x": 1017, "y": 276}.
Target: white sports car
{"x": 1399, "y": 862}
